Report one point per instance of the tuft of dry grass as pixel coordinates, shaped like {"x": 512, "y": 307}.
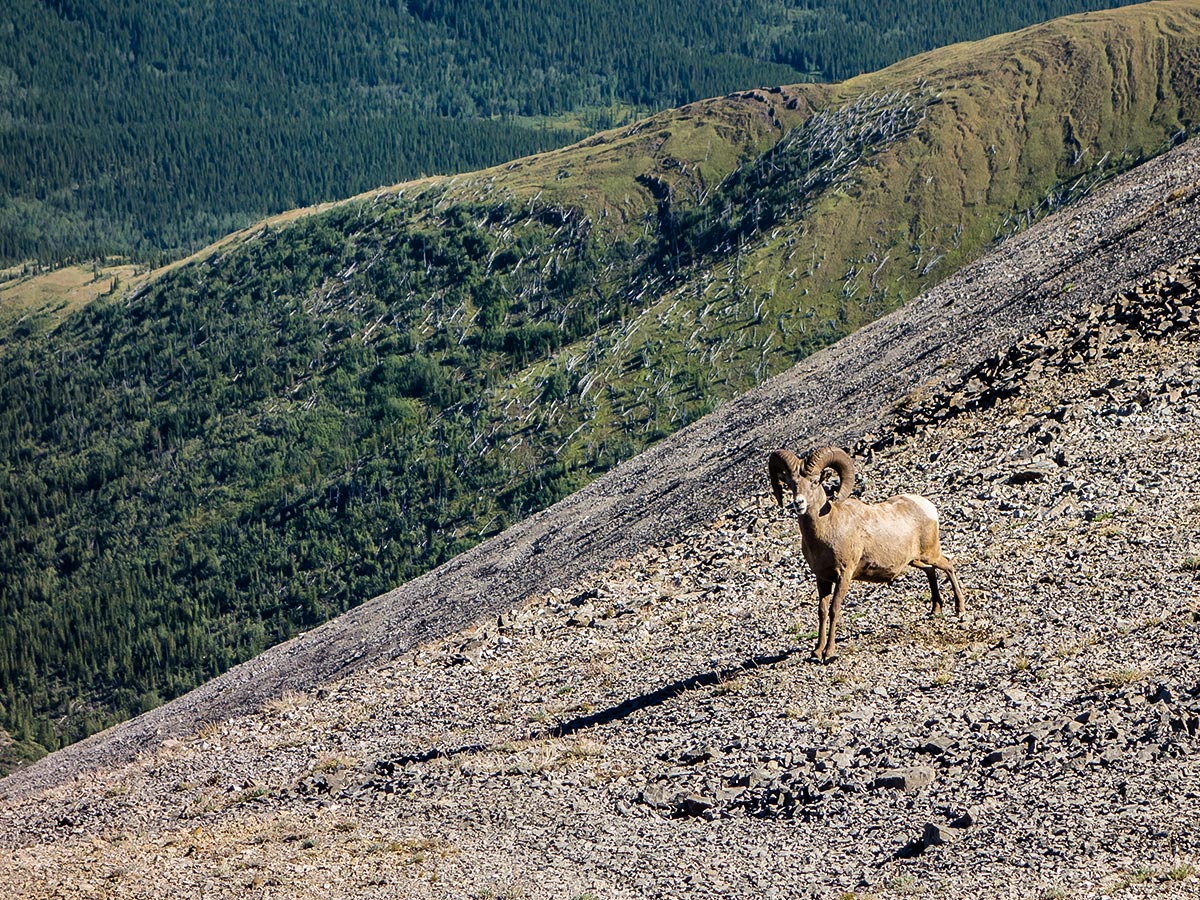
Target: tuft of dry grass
{"x": 328, "y": 763}
{"x": 291, "y": 701}
{"x": 1121, "y": 677}
{"x": 1182, "y": 870}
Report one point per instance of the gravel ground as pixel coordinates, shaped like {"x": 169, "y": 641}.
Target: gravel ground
{"x": 656, "y": 728}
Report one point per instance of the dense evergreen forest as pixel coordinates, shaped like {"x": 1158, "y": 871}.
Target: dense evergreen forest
{"x": 148, "y": 130}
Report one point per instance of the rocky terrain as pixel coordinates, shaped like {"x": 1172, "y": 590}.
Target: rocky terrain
{"x": 657, "y": 728}
{"x": 615, "y": 698}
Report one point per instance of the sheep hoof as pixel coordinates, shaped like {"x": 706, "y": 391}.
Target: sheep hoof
{"x": 824, "y": 655}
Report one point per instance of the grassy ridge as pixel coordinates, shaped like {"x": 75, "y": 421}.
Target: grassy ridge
{"x": 329, "y": 404}
{"x": 1009, "y": 129}
{"x": 142, "y": 131}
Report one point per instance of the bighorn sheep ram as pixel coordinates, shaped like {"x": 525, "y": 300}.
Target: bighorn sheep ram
{"x": 845, "y": 539}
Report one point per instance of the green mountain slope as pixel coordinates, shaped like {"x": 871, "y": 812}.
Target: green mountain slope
{"x": 149, "y": 129}
{"x": 323, "y": 407}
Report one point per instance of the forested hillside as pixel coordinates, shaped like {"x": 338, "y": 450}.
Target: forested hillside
{"x": 150, "y": 129}
{"x": 320, "y": 409}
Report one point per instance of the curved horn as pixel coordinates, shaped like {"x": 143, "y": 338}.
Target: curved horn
{"x": 831, "y": 458}
{"x": 784, "y": 468}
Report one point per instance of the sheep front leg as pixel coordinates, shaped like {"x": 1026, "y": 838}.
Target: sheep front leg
{"x": 841, "y": 588}
{"x": 824, "y": 590}
{"x": 935, "y": 592}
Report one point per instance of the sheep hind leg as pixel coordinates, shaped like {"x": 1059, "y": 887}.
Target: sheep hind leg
{"x": 932, "y": 565}
{"x": 959, "y": 604}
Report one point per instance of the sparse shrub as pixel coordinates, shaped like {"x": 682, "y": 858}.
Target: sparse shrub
{"x": 1121, "y": 677}
{"x": 290, "y": 701}
{"x": 1181, "y": 871}
{"x": 903, "y": 884}
{"x": 731, "y": 686}
{"x": 585, "y": 748}
{"x": 800, "y": 632}
{"x": 330, "y": 762}
{"x": 1140, "y": 875}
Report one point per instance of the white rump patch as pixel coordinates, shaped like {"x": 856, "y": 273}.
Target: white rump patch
{"x": 924, "y": 504}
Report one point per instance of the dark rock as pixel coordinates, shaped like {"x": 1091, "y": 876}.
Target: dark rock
{"x": 968, "y": 819}
{"x": 314, "y": 784}
{"x": 694, "y": 805}
{"x": 1000, "y": 755}
{"x": 658, "y": 796}
{"x": 584, "y": 597}
{"x": 936, "y": 745}
{"x": 935, "y": 835}
{"x": 1038, "y": 471}
{"x": 907, "y": 779}
{"x": 699, "y": 755}
{"x": 1162, "y": 695}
